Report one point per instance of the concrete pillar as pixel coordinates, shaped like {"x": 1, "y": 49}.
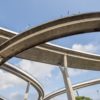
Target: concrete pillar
{"x": 68, "y": 85}
{"x": 1, "y": 59}
{"x": 27, "y": 91}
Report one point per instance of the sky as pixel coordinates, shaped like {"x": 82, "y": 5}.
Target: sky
{"x": 21, "y": 15}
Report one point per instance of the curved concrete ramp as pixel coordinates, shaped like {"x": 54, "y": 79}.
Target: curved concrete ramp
{"x": 25, "y": 76}
{"x": 68, "y": 26}
{"x": 75, "y": 87}
{"x": 53, "y": 54}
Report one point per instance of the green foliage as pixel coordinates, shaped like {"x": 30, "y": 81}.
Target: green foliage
{"x": 82, "y": 98}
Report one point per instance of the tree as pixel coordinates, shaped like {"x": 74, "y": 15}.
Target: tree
{"x": 82, "y": 98}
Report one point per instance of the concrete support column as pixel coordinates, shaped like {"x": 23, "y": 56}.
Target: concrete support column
{"x": 27, "y": 91}
{"x": 1, "y": 59}
{"x": 68, "y": 85}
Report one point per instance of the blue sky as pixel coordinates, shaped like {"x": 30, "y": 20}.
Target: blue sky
{"x": 20, "y": 15}
{"x": 17, "y": 15}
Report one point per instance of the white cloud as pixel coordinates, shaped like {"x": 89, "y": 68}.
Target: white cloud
{"x": 16, "y": 96}
{"x": 9, "y": 80}
{"x": 86, "y": 48}
{"x": 76, "y": 72}
{"x": 39, "y": 70}
{"x": 44, "y": 71}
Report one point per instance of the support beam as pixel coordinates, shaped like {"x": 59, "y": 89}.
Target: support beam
{"x": 27, "y": 91}
{"x": 68, "y": 85}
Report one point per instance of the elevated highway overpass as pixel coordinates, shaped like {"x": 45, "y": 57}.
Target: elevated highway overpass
{"x": 68, "y": 26}
{"x": 52, "y": 54}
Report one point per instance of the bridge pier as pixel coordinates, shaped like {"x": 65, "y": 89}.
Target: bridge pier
{"x": 66, "y": 78}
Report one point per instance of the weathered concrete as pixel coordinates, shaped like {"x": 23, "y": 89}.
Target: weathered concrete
{"x": 63, "y": 27}
{"x": 53, "y": 54}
